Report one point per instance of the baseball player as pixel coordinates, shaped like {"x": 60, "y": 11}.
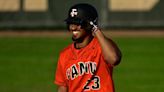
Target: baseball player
{"x": 86, "y": 65}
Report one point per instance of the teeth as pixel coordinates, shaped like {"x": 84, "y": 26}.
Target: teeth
{"x": 75, "y": 32}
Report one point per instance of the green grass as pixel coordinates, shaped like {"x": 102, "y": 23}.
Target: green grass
{"x": 27, "y": 64}
{"x": 142, "y": 66}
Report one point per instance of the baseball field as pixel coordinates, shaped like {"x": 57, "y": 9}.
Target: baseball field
{"x": 28, "y": 60}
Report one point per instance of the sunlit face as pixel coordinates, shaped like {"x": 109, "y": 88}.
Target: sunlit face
{"x": 78, "y": 34}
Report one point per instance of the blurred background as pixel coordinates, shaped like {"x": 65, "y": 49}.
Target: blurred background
{"x": 51, "y": 13}
{"x": 33, "y": 32}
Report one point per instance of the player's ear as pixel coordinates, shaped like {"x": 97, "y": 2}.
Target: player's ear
{"x": 87, "y": 27}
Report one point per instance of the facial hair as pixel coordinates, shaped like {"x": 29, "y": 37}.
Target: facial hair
{"x": 77, "y": 40}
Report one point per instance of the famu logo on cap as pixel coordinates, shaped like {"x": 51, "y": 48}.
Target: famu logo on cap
{"x": 74, "y": 12}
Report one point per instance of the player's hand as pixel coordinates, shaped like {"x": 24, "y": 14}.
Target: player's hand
{"x": 95, "y": 28}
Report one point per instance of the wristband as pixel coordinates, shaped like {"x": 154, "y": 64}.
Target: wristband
{"x": 95, "y": 28}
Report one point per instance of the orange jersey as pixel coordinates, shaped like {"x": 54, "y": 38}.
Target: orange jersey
{"x": 84, "y": 70}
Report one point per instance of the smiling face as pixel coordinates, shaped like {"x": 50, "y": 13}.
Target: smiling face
{"x": 78, "y": 33}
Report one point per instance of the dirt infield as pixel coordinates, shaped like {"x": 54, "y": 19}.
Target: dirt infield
{"x": 64, "y": 33}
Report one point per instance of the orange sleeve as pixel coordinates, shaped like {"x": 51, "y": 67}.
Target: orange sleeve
{"x": 60, "y": 78}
